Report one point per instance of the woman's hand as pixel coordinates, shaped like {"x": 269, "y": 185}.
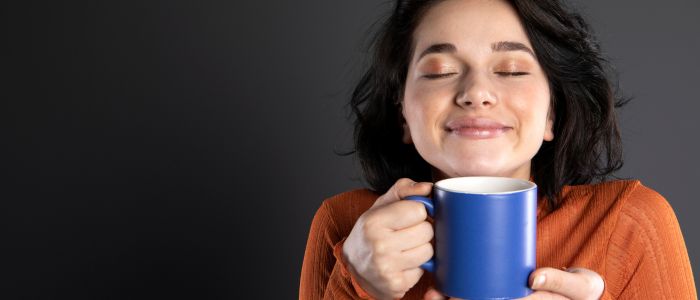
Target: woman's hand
{"x": 551, "y": 284}
{"x": 390, "y": 241}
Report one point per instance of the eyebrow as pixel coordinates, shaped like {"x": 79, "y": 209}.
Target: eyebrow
{"x": 495, "y": 47}
{"x": 438, "y": 48}
{"x": 511, "y": 46}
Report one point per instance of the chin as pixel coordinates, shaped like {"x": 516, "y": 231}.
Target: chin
{"x": 478, "y": 168}
{"x": 480, "y": 173}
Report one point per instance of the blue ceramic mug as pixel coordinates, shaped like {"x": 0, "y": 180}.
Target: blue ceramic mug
{"x": 485, "y": 236}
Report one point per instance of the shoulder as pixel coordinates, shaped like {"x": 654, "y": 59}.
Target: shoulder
{"x": 647, "y": 245}
{"x": 649, "y": 209}
{"x": 623, "y": 194}
{"x": 628, "y": 201}
{"x": 611, "y": 191}
{"x": 356, "y": 195}
{"x": 350, "y": 203}
{"x": 633, "y": 197}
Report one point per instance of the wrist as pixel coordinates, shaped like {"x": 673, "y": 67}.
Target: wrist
{"x": 361, "y": 286}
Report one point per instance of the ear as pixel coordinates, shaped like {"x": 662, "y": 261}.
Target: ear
{"x": 406, "y": 134}
{"x": 549, "y": 127}
{"x": 406, "y": 137}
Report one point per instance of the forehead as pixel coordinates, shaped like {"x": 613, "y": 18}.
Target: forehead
{"x": 470, "y": 24}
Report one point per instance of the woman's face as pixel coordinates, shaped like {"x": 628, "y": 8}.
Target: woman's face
{"x": 476, "y": 100}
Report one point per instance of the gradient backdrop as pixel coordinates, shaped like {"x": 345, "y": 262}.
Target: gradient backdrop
{"x": 179, "y": 149}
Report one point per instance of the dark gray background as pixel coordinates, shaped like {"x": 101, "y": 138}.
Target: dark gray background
{"x": 180, "y": 148}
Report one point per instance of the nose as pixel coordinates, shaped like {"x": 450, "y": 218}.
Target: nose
{"x": 476, "y": 92}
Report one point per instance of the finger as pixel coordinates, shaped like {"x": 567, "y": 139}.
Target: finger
{"x": 575, "y": 283}
{"x": 594, "y": 280}
{"x": 415, "y": 257}
{"x": 400, "y": 215}
{"x": 544, "y": 295}
{"x": 413, "y": 236}
{"x": 433, "y": 294}
{"x": 403, "y": 188}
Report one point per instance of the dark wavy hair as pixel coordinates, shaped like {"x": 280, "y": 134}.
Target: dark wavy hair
{"x": 587, "y": 145}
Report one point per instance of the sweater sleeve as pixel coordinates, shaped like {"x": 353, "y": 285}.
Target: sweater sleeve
{"x": 647, "y": 257}
{"x": 323, "y": 273}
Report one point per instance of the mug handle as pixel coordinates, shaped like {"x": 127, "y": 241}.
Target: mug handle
{"x": 430, "y": 208}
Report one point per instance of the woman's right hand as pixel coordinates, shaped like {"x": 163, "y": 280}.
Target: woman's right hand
{"x": 390, "y": 241}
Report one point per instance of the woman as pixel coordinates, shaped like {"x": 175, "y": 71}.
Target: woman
{"x": 493, "y": 88}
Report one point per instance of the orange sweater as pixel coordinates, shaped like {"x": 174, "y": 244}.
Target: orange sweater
{"x": 622, "y": 230}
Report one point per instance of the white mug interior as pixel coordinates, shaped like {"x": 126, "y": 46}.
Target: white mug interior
{"x": 485, "y": 185}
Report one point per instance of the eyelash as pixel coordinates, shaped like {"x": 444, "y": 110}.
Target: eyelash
{"x": 505, "y": 74}
{"x": 437, "y": 76}
{"x": 512, "y": 73}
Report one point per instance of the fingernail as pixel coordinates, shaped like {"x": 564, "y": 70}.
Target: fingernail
{"x": 433, "y": 295}
{"x": 539, "y": 281}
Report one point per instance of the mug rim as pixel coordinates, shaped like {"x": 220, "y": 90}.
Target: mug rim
{"x": 440, "y": 185}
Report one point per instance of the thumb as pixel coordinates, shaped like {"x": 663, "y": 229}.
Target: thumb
{"x": 403, "y": 188}
{"x": 574, "y": 283}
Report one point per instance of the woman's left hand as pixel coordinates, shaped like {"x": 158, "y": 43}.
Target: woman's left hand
{"x": 550, "y": 283}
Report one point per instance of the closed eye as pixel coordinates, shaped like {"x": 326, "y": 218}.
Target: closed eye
{"x": 512, "y": 73}
{"x": 438, "y": 76}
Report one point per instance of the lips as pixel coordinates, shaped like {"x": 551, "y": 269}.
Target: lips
{"x": 477, "y": 128}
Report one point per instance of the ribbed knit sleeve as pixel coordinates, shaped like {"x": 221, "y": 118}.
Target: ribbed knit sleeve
{"x": 646, "y": 256}
{"x": 323, "y": 273}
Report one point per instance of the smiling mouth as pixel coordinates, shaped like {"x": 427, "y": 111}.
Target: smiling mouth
{"x": 477, "y": 128}
{"x": 479, "y": 132}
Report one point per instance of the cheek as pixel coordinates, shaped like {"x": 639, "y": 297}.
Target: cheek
{"x": 532, "y": 105}
{"x": 423, "y": 105}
